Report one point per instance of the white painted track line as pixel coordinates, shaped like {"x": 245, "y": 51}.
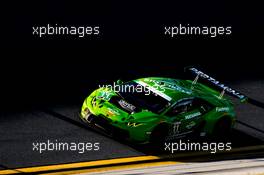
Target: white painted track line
{"x": 242, "y": 166}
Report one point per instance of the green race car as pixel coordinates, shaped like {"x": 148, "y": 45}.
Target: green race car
{"x": 158, "y": 109}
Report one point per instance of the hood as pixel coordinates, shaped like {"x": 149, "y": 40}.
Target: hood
{"x": 113, "y": 106}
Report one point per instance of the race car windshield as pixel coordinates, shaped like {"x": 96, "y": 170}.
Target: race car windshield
{"x": 143, "y": 97}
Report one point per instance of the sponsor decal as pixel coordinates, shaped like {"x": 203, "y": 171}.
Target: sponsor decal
{"x": 172, "y": 86}
{"x": 222, "y": 109}
{"x": 190, "y": 116}
{"x": 153, "y": 89}
{"x": 217, "y": 83}
{"x": 112, "y": 112}
{"x": 169, "y": 84}
{"x": 126, "y": 105}
{"x": 190, "y": 125}
{"x": 104, "y": 95}
{"x": 132, "y": 124}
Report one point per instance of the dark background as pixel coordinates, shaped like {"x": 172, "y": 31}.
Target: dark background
{"x": 56, "y": 69}
{"x": 43, "y": 81}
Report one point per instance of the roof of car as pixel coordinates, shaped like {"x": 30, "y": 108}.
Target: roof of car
{"x": 176, "y": 89}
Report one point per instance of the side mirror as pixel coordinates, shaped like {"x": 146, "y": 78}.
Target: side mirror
{"x": 119, "y": 82}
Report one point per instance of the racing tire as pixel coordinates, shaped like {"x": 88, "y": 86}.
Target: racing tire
{"x": 222, "y": 128}
{"x": 196, "y": 135}
{"x": 159, "y": 134}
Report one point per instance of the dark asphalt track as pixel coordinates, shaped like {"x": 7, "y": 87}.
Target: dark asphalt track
{"x": 19, "y": 130}
{"x": 59, "y": 72}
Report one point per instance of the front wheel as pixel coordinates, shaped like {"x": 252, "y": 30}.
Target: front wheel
{"x": 159, "y": 134}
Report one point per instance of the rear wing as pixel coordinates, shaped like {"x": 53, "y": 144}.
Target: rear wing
{"x": 222, "y": 87}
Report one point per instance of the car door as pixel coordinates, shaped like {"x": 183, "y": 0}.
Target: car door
{"x": 185, "y": 115}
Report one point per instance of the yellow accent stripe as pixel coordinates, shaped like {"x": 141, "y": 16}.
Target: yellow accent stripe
{"x": 121, "y": 167}
{"x": 80, "y": 164}
{"x": 113, "y": 162}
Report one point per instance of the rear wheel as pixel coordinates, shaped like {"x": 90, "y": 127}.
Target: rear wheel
{"x": 198, "y": 133}
{"x": 223, "y": 128}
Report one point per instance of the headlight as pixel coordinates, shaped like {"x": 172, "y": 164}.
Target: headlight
{"x": 86, "y": 112}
